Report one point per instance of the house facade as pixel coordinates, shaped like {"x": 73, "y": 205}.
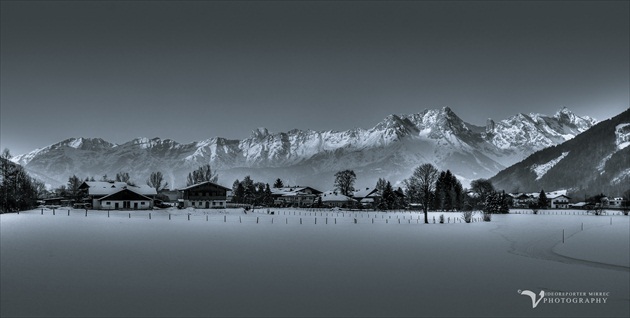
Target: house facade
{"x": 204, "y": 195}
{"x": 367, "y": 197}
{"x": 336, "y": 199}
{"x": 560, "y": 201}
{"x": 125, "y": 199}
{"x": 295, "y": 196}
{"x": 130, "y": 197}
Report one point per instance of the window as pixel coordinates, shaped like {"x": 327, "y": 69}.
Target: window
{"x": 143, "y": 203}
{"x": 108, "y": 203}
{"x": 214, "y": 203}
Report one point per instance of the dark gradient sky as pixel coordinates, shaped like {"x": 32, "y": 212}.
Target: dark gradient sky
{"x": 194, "y": 70}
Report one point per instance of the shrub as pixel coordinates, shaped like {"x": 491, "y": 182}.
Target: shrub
{"x": 487, "y": 217}
{"x": 535, "y": 210}
{"x": 441, "y": 218}
{"x": 467, "y": 215}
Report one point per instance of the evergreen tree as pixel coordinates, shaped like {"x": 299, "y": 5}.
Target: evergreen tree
{"x": 278, "y": 183}
{"x": 239, "y": 194}
{"x": 267, "y": 197}
{"x": 542, "y": 200}
{"x": 389, "y": 197}
{"x": 249, "y": 190}
{"x": 17, "y": 190}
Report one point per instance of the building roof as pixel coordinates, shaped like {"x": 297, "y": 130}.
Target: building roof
{"x": 107, "y": 188}
{"x": 292, "y": 191}
{"x": 365, "y": 192}
{"x": 332, "y": 196}
{"x": 204, "y": 183}
{"x": 125, "y": 194}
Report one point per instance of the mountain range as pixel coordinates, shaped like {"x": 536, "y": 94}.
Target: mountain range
{"x": 595, "y": 161}
{"x": 391, "y": 149}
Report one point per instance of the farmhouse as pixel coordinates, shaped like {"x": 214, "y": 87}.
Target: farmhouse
{"x": 368, "y": 197}
{"x": 555, "y": 199}
{"x": 558, "y": 201}
{"x": 125, "y": 199}
{"x": 205, "y": 195}
{"x": 616, "y": 202}
{"x": 521, "y": 200}
{"x": 294, "y": 196}
{"x": 335, "y": 199}
{"x": 112, "y": 195}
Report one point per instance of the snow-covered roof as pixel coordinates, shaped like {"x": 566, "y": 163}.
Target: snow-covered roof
{"x": 332, "y": 196}
{"x": 550, "y": 195}
{"x": 202, "y": 183}
{"x": 291, "y": 191}
{"x": 107, "y": 188}
{"x": 365, "y": 192}
{"x": 121, "y": 192}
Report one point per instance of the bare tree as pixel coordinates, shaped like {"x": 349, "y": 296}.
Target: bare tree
{"x": 155, "y": 181}
{"x": 73, "y": 186}
{"x": 423, "y": 181}
{"x": 122, "y": 177}
{"x": 344, "y": 182}
{"x": 202, "y": 174}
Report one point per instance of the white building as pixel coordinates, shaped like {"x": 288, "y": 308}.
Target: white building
{"x": 333, "y": 198}
{"x": 118, "y": 195}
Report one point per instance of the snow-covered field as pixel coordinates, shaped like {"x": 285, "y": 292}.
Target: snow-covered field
{"x": 227, "y": 263}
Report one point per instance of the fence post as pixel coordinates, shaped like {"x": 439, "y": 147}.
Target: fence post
{"x": 149, "y": 215}
{"x": 562, "y": 236}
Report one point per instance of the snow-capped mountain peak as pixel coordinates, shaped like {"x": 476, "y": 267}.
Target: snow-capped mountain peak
{"x": 392, "y": 148}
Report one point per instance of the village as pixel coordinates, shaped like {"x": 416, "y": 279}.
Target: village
{"x": 121, "y": 195}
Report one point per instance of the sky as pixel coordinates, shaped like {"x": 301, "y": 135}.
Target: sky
{"x": 194, "y": 70}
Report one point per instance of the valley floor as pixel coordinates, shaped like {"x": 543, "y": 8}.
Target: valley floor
{"x": 310, "y": 263}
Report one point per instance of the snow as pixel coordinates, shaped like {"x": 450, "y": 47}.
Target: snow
{"x": 621, "y": 176}
{"x": 60, "y": 265}
{"x": 542, "y": 169}
{"x": 622, "y": 135}
{"x": 602, "y": 242}
{"x": 76, "y": 143}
